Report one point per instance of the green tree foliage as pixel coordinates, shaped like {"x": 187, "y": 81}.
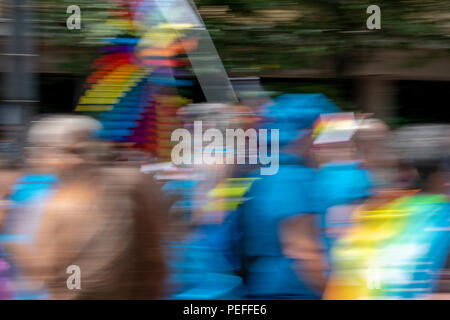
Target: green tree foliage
{"x": 300, "y": 33}
{"x": 259, "y": 35}
{"x": 80, "y": 47}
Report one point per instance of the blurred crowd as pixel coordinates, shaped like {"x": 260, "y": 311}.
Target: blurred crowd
{"x": 355, "y": 211}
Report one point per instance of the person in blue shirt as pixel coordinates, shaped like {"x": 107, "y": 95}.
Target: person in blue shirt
{"x": 424, "y": 148}
{"x": 342, "y": 183}
{"x": 345, "y": 178}
{"x": 281, "y": 250}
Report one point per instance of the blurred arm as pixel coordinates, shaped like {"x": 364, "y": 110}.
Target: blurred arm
{"x": 300, "y": 241}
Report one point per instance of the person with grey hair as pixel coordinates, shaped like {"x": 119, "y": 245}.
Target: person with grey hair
{"x": 104, "y": 221}
{"x": 61, "y": 143}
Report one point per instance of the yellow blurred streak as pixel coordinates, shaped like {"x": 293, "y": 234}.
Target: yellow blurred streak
{"x": 107, "y": 87}
{"x": 160, "y": 37}
{"x": 88, "y": 107}
{"x": 86, "y": 100}
{"x": 104, "y": 94}
{"x": 227, "y": 191}
{"x": 97, "y": 96}
{"x": 173, "y": 100}
{"x": 121, "y": 24}
{"x": 165, "y": 143}
{"x": 232, "y": 188}
{"x": 221, "y": 205}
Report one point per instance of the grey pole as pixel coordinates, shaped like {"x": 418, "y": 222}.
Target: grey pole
{"x": 19, "y": 60}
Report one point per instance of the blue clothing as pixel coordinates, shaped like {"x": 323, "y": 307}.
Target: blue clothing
{"x": 421, "y": 250}
{"x": 339, "y": 183}
{"x": 184, "y": 191}
{"x": 200, "y": 270}
{"x": 270, "y": 273}
{"x": 293, "y": 114}
{"x": 28, "y": 197}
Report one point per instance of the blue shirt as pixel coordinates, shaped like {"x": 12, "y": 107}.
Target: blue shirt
{"x": 270, "y": 274}
{"x": 339, "y": 183}
{"x": 22, "y": 222}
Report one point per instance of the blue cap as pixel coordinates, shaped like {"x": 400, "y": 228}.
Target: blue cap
{"x": 294, "y": 114}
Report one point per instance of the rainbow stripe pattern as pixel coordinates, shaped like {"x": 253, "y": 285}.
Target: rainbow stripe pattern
{"x": 141, "y": 79}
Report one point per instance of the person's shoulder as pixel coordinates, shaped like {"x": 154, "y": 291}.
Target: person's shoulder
{"x": 74, "y": 194}
{"x": 127, "y": 176}
{"x": 123, "y": 174}
{"x": 71, "y": 204}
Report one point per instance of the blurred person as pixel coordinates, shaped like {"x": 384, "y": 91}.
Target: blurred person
{"x": 106, "y": 221}
{"x": 23, "y": 196}
{"x": 282, "y": 257}
{"x": 342, "y": 181}
{"x": 201, "y": 269}
{"x": 400, "y": 241}
{"x": 7, "y": 179}
{"x": 372, "y": 142}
